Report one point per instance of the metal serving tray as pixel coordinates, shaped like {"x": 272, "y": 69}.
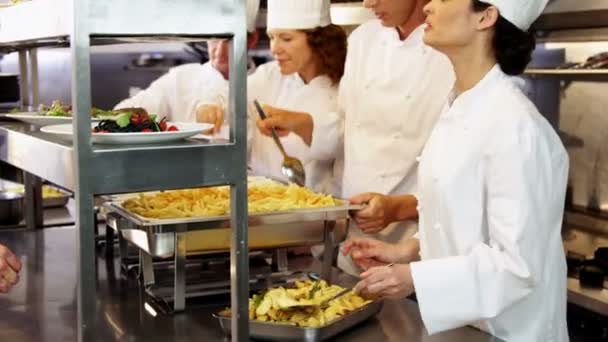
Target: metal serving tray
{"x": 255, "y": 219}
{"x": 212, "y": 234}
{"x": 284, "y": 332}
{"x": 218, "y": 240}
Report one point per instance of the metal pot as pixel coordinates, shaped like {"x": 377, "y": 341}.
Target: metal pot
{"x": 11, "y": 208}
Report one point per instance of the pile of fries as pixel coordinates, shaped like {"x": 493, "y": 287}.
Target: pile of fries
{"x": 215, "y": 201}
{"x": 276, "y": 305}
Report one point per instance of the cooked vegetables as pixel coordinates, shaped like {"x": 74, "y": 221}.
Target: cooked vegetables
{"x": 59, "y": 109}
{"x": 132, "y": 120}
{"x": 275, "y": 305}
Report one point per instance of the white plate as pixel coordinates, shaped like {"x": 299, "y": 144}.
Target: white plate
{"x": 185, "y": 130}
{"x": 41, "y": 120}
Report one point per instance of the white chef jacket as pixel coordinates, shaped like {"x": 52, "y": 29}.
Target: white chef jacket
{"x": 390, "y": 97}
{"x": 492, "y": 184}
{"x": 318, "y": 98}
{"x": 289, "y": 92}
{"x": 173, "y": 95}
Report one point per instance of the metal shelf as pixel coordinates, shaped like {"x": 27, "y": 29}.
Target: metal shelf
{"x": 119, "y": 169}
{"x": 89, "y": 169}
{"x": 596, "y": 75}
{"x": 41, "y": 155}
{"x": 48, "y": 20}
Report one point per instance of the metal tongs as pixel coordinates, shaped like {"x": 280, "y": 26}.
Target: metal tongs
{"x": 326, "y": 302}
{"x": 291, "y": 168}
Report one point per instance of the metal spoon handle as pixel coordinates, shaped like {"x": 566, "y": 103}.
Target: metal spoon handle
{"x": 275, "y": 136}
{"x": 338, "y": 295}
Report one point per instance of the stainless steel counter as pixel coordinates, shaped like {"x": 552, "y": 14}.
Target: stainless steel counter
{"x": 43, "y": 305}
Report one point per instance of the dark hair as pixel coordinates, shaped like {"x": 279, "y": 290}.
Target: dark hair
{"x": 513, "y": 47}
{"x": 329, "y": 48}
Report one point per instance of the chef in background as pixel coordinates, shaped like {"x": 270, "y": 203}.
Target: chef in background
{"x": 301, "y": 85}
{"x": 174, "y": 94}
{"x": 392, "y": 92}
{"x": 492, "y": 183}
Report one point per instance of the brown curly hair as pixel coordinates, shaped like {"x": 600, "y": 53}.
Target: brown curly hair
{"x": 329, "y": 48}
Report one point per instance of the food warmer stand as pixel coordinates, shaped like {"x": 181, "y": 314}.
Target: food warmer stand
{"x": 89, "y": 170}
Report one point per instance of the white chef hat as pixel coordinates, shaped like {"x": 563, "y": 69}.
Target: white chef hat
{"x": 521, "y": 13}
{"x": 298, "y": 14}
{"x": 253, "y": 6}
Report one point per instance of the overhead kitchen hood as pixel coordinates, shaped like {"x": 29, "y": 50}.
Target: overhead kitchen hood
{"x": 574, "y": 14}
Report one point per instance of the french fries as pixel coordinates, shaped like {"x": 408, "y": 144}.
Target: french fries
{"x": 276, "y": 305}
{"x": 215, "y": 201}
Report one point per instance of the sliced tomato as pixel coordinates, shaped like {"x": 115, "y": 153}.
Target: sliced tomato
{"x": 163, "y": 125}
{"x": 172, "y": 128}
{"x": 136, "y": 119}
{"x": 146, "y": 130}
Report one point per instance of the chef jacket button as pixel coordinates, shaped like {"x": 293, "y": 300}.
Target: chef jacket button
{"x": 418, "y": 158}
{"x": 437, "y": 226}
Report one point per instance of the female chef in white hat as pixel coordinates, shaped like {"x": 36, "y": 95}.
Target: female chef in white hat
{"x": 492, "y": 183}
{"x": 301, "y": 83}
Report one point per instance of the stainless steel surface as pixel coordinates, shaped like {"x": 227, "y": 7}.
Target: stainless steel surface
{"x": 52, "y": 160}
{"x": 266, "y": 231}
{"x": 587, "y": 230}
{"x": 34, "y": 82}
{"x": 179, "y": 300}
{"x": 592, "y": 299}
{"x": 284, "y": 332}
{"x": 33, "y": 201}
{"x": 599, "y": 34}
{"x": 24, "y": 88}
{"x": 598, "y": 75}
{"x": 42, "y": 307}
{"x": 11, "y": 208}
{"x": 119, "y": 170}
{"x": 83, "y": 169}
{"x": 568, "y": 14}
{"x": 291, "y": 168}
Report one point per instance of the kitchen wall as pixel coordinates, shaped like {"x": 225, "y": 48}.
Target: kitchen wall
{"x": 112, "y": 71}
{"x": 584, "y": 119}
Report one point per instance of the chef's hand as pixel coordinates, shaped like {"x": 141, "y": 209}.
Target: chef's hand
{"x": 9, "y": 269}
{"x": 386, "y": 282}
{"x": 285, "y": 121}
{"x": 211, "y": 114}
{"x": 376, "y": 216}
{"x": 367, "y": 253}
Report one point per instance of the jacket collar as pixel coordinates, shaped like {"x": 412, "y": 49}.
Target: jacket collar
{"x": 390, "y": 35}
{"x": 465, "y": 103}
{"x": 322, "y": 81}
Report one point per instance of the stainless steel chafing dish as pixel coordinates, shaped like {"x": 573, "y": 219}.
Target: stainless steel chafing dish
{"x": 284, "y": 332}
{"x": 177, "y": 238}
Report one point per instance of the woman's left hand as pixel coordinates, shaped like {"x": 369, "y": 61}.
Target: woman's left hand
{"x": 386, "y": 282}
{"x": 285, "y": 121}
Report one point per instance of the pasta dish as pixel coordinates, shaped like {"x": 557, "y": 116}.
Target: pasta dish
{"x": 215, "y": 201}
